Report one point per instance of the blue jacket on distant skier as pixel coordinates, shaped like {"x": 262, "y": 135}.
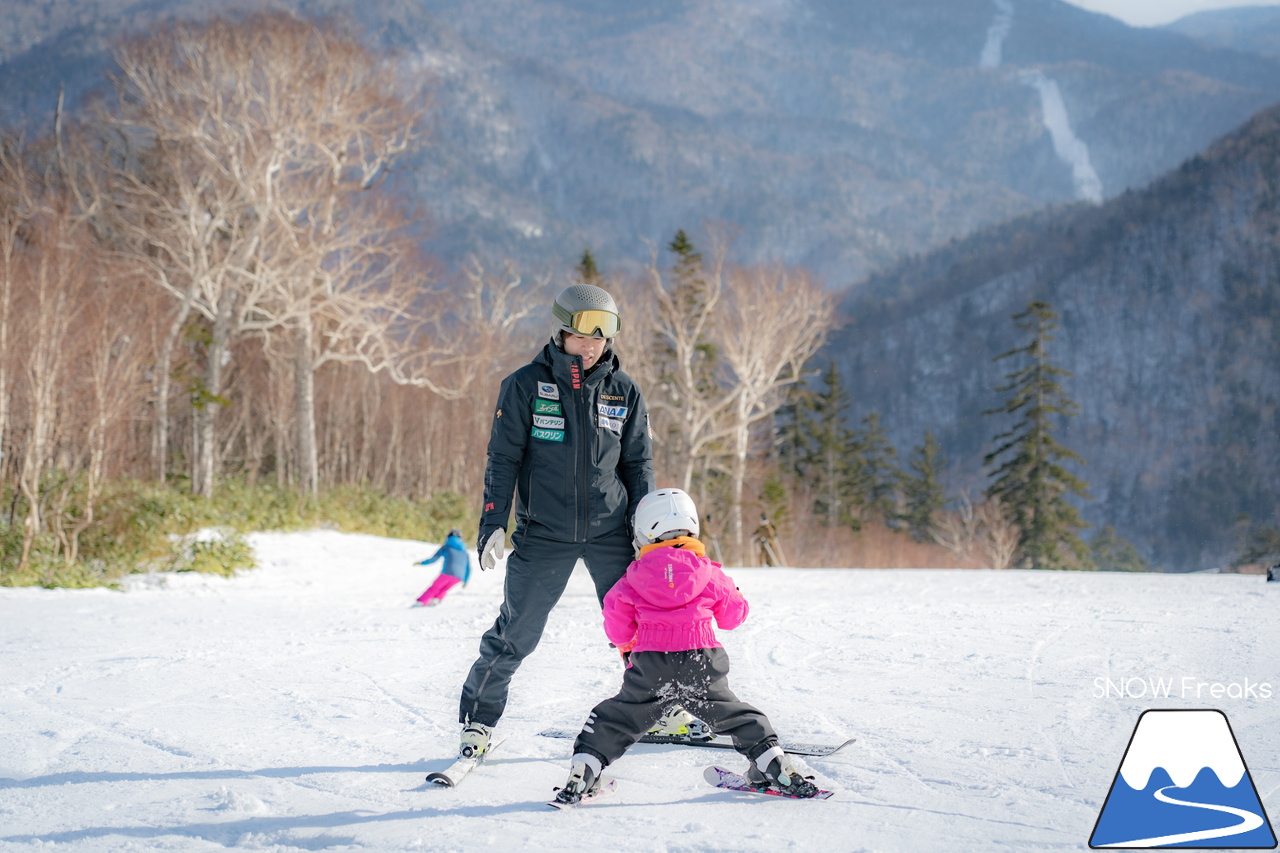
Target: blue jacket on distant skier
{"x": 457, "y": 564}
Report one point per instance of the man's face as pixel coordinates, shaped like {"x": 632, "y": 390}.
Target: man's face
{"x": 589, "y": 349}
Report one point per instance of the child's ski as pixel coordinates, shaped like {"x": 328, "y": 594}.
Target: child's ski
{"x": 731, "y": 781}
{"x": 607, "y": 787}
{"x": 813, "y": 750}
{"x": 458, "y": 770}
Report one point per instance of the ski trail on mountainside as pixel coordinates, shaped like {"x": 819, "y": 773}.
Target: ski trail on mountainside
{"x": 993, "y": 50}
{"x": 1053, "y": 109}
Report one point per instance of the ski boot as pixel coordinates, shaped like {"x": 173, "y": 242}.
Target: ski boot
{"x": 474, "y": 741}
{"x": 678, "y": 722}
{"x": 584, "y": 779}
{"x": 772, "y": 769}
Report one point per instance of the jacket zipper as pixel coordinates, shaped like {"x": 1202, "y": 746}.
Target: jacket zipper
{"x": 584, "y": 457}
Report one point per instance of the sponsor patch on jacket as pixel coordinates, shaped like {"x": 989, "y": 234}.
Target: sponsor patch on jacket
{"x": 548, "y": 434}
{"x": 607, "y": 411}
{"x": 548, "y": 422}
{"x": 548, "y": 391}
{"x": 546, "y": 407}
{"x": 611, "y": 423}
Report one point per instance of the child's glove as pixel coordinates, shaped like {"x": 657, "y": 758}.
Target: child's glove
{"x": 493, "y": 548}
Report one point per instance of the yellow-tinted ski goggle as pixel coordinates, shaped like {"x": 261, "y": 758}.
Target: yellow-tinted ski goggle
{"x": 592, "y": 323}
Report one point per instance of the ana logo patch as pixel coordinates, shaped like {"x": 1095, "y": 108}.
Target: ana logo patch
{"x": 548, "y": 391}
{"x": 1183, "y": 783}
{"x": 612, "y": 411}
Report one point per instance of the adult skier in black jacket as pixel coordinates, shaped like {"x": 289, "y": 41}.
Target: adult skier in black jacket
{"x": 570, "y": 437}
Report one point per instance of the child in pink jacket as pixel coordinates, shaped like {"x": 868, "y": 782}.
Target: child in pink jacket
{"x": 661, "y": 613}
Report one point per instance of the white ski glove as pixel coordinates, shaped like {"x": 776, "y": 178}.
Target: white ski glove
{"x": 493, "y": 549}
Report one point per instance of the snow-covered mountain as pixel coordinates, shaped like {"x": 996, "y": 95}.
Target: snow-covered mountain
{"x": 837, "y": 134}
{"x": 1169, "y": 314}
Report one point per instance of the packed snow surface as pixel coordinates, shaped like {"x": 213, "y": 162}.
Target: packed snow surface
{"x": 299, "y": 706}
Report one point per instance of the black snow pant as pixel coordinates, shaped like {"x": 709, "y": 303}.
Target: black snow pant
{"x": 537, "y": 573}
{"x": 697, "y": 680}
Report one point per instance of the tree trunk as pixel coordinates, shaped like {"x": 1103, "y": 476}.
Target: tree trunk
{"x": 742, "y": 444}
{"x": 304, "y": 384}
{"x": 164, "y": 365}
{"x": 207, "y": 407}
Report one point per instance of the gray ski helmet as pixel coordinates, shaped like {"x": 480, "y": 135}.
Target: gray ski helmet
{"x": 587, "y": 310}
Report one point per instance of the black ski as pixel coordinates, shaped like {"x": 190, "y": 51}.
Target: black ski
{"x": 818, "y": 750}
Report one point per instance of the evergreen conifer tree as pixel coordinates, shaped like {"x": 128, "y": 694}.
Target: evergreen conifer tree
{"x": 1112, "y": 552}
{"x": 1031, "y": 480}
{"x": 922, "y": 492}
{"x": 817, "y": 445}
{"x": 690, "y": 294}
{"x": 876, "y": 475}
{"x": 588, "y": 272}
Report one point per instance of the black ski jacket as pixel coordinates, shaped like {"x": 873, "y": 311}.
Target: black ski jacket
{"x": 574, "y": 448}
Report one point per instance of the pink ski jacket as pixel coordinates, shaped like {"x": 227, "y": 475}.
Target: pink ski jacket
{"x": 668, "y": 599}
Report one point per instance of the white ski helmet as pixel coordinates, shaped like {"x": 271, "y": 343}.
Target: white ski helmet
{"x": 665, "y": 514}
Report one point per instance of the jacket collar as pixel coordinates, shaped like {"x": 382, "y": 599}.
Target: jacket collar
{"x": 564, "y": 366}
{"x": 687, "y": 543}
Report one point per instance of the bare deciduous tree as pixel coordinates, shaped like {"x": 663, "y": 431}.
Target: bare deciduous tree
{"x": 1000, "y": 537}
{"x": 774, "y": 321}
{"x": 675, "y": 360}
{"x": 957, "y": 530}
{"x": 978, "y": 535}
{"x": 260, "y": 135}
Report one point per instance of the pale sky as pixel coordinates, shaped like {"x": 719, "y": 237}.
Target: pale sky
{"x": 1151, "y": 13}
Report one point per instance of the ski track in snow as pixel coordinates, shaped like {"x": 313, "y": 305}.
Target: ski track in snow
{"x": 300, "y": 706}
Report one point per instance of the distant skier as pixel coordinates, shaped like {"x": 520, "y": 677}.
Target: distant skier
{"x": 456, "y": 569}
{"x": 1273, "y": 573}
{"x": 663, "y": 611}
{"x": 765, "y": 537}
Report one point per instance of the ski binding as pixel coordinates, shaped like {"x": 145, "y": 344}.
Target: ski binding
{"x": 607, "y": 787}
{"x": 458, "y": 770}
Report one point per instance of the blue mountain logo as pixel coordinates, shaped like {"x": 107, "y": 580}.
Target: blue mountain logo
{"x": 1183, "y": 783}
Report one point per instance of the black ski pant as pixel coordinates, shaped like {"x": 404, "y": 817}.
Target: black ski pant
{"x": 537, "y": 573}
{"x": 697, "y": 680}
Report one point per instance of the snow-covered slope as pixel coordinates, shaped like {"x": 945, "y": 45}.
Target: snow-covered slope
{"x": 299, "y": 706}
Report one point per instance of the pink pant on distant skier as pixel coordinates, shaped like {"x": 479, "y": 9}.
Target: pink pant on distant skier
{"x": 437, "y": 590}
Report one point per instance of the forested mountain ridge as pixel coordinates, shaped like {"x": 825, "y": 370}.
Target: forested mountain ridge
{"x": 839, "y": 135}
{"x": 1170, "y": 305}
{"x": 1249, "y": 29}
